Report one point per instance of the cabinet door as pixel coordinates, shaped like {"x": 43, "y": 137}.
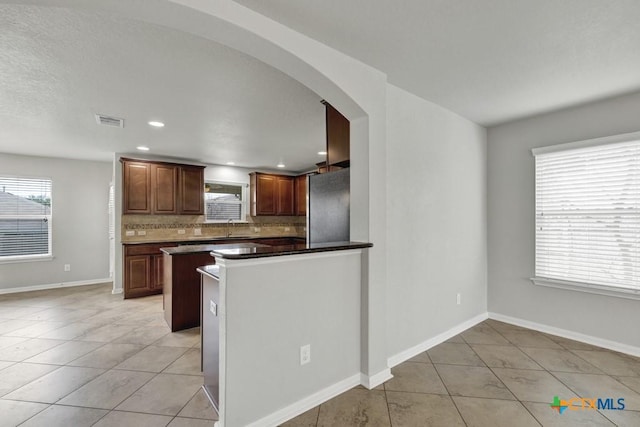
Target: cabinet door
{"x": 266, "y": 190}
{"x": 157, "y": 277}
{"x": 191, "y": 191}
{"x": 337, "y": 138}
{"x": 137, "y": 280}
{"x": 137, "y": 188}
{"x": 164, "y": 183}
{"x": 301, "y": 195}
{"x": 286, "y": 195}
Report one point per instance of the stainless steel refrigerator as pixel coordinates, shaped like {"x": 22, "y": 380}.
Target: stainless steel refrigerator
{"x": 328, "y": 207}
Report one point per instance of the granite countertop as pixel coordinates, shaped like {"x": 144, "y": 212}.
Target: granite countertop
{"x": 232, "y": 251}
{"x": 210, "y": 270}
{"x": 193, "y": 249}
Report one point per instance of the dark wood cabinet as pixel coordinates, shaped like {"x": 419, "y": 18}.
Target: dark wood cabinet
{"x": 191, "y": 190}
{"x": 157, "y": 188}
{"x": 181, "y": 289}
{"x": 271, "y": 194}
{"x": 286, "y": 195}
{"x": 301, "y": 195}
{"x": 164, "y": 186}
{"x": 338, "y": 137}
{"x": 263, "y": 194}
{"x": 136, "y": 188}
{"x": 143, "y": 269}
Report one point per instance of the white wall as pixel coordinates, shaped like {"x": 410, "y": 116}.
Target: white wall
{"x": 80, "y": 221}
{"x": 436, "y": 211}
{"x": 511, "y": 223}
{"x": 270, "y": 308}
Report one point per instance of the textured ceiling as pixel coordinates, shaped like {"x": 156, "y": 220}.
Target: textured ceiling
{"x": 59, "y": 66}
{"x": 491, "y": 61}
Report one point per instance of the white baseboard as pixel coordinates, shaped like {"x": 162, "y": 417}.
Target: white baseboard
{"x": 116, "y": 291}
{"x": 54, "y": 286}
{"x": 407, "y": 354}
{"x": 309, "y": 402}
{"x": 375, "y": 380}
{"x": 576, "y": 336}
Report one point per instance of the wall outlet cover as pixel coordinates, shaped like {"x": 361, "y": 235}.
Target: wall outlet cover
{"x": 305, "y": 354}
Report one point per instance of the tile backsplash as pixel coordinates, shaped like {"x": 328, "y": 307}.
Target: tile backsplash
{"x": 154, "y": 228}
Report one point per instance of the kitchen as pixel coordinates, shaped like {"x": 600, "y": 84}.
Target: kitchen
{"x": 312, "y": 214}
{"x": 444, "y": 111}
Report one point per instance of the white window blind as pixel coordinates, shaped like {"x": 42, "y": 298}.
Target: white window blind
{"x": 588, "y": 216}
{"x": 224, "y": 201}
{"x": 25, "y": 218}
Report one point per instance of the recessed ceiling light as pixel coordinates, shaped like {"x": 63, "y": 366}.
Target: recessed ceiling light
{"x": 280, "y": 165}
{"x": 142, "y": 148}
{"x": 322, "y": 153}
{"x": 156, "y": 124}
{"x": 231, "y": 163}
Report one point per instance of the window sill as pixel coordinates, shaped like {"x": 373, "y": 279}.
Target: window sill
{"x": 586, "y": 287}
{"x": 21, "y": 259}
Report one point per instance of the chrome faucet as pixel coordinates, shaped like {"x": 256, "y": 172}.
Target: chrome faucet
{"x": 230, "y": 222}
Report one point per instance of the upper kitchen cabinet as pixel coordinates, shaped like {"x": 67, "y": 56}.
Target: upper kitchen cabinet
{"x": 164, "y": 186}
{"x": 136, "y": 188}
{"x": 272, "y": 194}
{"x": 155, "y": 188}
{"x": 337, "y": 138}
{"x": 301, "y": 195}
{"x": 191, "y": 185}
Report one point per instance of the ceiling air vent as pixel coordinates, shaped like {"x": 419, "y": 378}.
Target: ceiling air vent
{"x": 109, "y": 121}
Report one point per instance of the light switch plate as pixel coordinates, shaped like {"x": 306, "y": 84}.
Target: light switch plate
{"x": 197, "y": 231}
{"x": 181, "y": 231}
{"x": 130, "y": 233}
{"x": 142, "y": 233}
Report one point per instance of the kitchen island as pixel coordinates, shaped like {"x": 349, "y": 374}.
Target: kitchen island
{"x": 261, "y": 305}
{"x": 181, "y": 281}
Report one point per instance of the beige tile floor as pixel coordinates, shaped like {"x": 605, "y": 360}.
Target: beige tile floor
{"x": 80, "y": 356}
{"x": 492, "y": 375}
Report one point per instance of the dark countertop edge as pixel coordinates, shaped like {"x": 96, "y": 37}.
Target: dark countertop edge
{"x": 287, "y": 250}
{"x": 214, "y": 239}
{"x": 210, "y": 270}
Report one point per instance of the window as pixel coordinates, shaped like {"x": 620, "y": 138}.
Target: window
{"x": 25, "y": 218}
{"x": 588, "y": 216}
{"x": 224, "y": 201}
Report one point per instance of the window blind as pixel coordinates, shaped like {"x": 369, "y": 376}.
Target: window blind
{"x": 588, "y": 215}
{"x": 223, "y": 210}
{"x": 25, "y": 217}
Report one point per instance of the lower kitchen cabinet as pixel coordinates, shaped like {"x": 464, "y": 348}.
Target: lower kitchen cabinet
{"x": 143, "y": 269}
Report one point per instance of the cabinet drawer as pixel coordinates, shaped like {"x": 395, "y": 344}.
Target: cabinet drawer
{"x": 146, "y": 249}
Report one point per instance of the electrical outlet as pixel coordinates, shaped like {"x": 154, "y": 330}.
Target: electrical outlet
{"x": 287, "y": 228}
{"x": 67, "y": 267}
{"x": 197, "y": 231}
{"x": 130, "y": 233}
{"x": 458, "y": 299}
{"x": 213, "y": 308}
{"x": 142, "y": 233}
{"x": 181, "y": 231}
{"x": 305, "y": 354}
{"x": 256, "y": 229}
